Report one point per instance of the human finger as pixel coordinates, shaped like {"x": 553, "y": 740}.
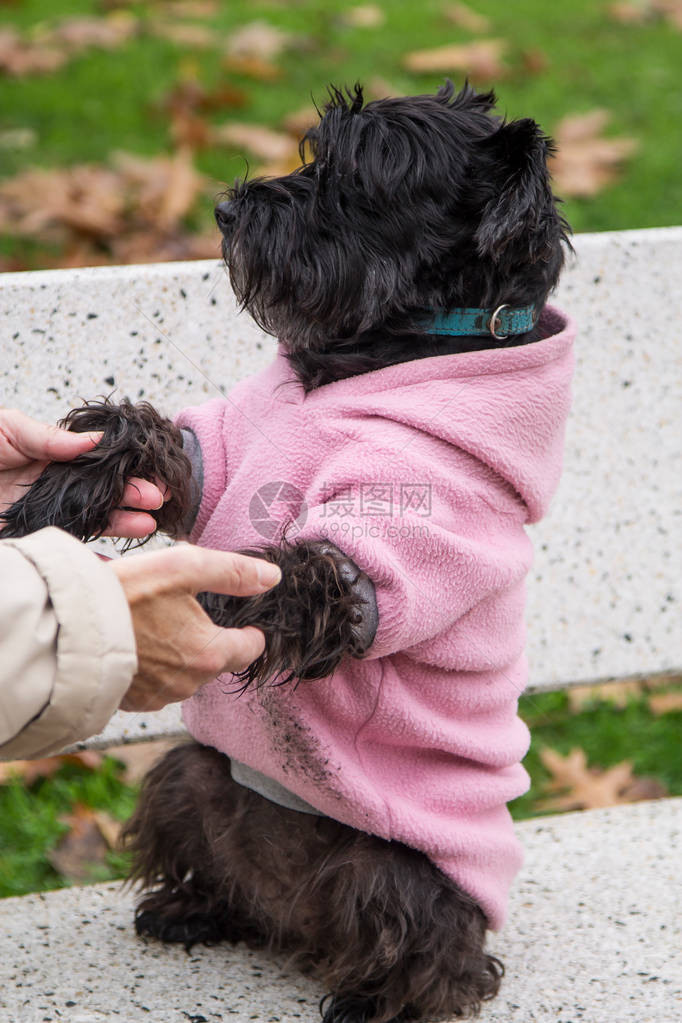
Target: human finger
{"x": 129, "y": 525}
{"x": 234, "y": 649}
{"x": 142, "y": 494}
{"x": 198, "y": 568}
{"x": 47, "y": 442}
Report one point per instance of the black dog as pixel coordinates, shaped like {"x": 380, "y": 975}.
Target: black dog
{"x": 410, "y": 208}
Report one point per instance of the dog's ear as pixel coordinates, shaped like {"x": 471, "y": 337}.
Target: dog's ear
{"x": 524, "y": 206}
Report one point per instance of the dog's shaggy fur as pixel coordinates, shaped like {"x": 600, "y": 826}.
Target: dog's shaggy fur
{"x": 78, "y": 496}
{"x": 388, "y": 934}
{"x": 408, "y": 207}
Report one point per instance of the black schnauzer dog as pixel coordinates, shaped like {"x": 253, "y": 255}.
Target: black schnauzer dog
{"x": 408, "y": 209}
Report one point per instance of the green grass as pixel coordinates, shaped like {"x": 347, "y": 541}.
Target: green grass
{"x": 103, "y": 101}
{"x": 30, "y": 825}
{"x": 607, "y": 734}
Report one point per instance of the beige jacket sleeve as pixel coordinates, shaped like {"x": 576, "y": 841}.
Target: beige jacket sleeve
{"x": 67, "y": 647}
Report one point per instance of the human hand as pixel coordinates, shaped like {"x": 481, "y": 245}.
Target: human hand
{"x": 27, "y": 446}
{"x": 178, "y": 646}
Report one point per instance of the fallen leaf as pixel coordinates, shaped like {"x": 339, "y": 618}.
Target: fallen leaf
{"x": 18, "y": 138}
{"x": 191, "y": 8}
{"x": 380, "y": 88}
{"x": 153, "y": 247}
{"x": 586, "y": 162}
{"x": 637, "y": 12}
{"x": 81, "y": 848}
{"x": 671, "y": 10}
{"x": 167, "y": 186}
{"x": 617, "y": 693}
{"x": 32, "y": 770}
{"x": 252, "y": 67}
{"x": 590, "y": 788}
{"x": 19, "y": 58}
{"x": 665, "y": 703}
{"x": 631, "y": 13}
{"x": 534, "y": 62}
{"x": 78, "y": 34}
{"x": 138, "y": 757}
{"x": 109, "y": 827}
{"x": 364, "y": 16}
{"x": 259, "y": 140}
{"x": 298, "y": 122}
{"x": 185, "y": 34}
{"x": 480, "y": 59}
{"x": 466, "y": 17}
{"x": 258, "y": 39}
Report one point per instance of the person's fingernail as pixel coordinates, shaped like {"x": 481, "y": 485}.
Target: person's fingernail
{"x": 96, "y": 435}
{"x": 268, "y": 574}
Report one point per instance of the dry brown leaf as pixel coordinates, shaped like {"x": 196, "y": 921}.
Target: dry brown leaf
{"x": 85, "y": 198}
{"x": 166, "y": 186}
{"x": 19, "y": 57}
{"x": 380, "y": 88}
{"x": 82, "y": 847}
{"x": 191, "y": 8}
{"x": 258, "y": 39}
{"x": 198, "y": 37}
{"x": 534, "y": 62}
{"x": 18, "y": 138}
{"x": 636, "y": 12}
{"x": 109, "y": 827}
{"x": 32, "y": 770}
{"x": 138, "y": 757}
{"x": 151, "y": 247}
{"x": 480, "y": 59}
{"x": 108, "y": 33}
{"x": 671, "y": 10}
{"x": 466, "y": 17}
{"x": 586, "y": 162}
{"x": 364, "y": 16}
{"x": 252, "y": 67}
{"x": 259, "y": 140}
{"x": 617, "y": 693}
{"x": 135, "y": 208}
{"x": 665, "y": 703}
{"x": 298, "y": 122}
{"x": 591, "y": 788}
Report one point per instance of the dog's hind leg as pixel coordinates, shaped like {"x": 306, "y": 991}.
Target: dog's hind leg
{"x": 181, "y": 849}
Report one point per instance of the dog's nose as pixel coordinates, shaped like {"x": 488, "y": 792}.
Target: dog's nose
{"x": 223, "y": 214}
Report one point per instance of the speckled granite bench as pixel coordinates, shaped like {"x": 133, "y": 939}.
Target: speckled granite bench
{"x": 594, "y": 931}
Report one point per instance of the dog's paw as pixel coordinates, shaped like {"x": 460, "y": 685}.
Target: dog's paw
{"x": 198, "y": 929}
{"x": 346, "y": 1009}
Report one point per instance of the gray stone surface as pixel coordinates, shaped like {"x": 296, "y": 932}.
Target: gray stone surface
{"x": 594, "y": 935}
{"x": 604, "y": 594}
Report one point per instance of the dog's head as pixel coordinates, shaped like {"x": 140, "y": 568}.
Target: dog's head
{"x": 407, "y": 205}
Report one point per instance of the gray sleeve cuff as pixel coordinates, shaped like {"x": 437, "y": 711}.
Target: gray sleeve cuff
{"x": 192, "y": 448}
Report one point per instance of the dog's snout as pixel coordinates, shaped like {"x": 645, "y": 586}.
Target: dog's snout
{"x": 224, "y": 214}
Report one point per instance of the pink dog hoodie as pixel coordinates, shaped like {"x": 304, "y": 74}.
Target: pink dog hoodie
{"x": 425, "y": 474}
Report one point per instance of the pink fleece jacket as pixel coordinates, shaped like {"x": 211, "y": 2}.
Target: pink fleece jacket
{"x": 425, "y": 474}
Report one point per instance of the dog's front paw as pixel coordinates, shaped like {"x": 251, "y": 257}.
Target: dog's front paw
{"x": 324, "y": 609}
{"x": 80, "y": 495}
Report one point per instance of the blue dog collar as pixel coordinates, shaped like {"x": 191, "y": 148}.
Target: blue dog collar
{"x": 499, "y": 323}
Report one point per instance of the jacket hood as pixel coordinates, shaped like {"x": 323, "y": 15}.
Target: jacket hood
{"x": 507, "y": 407}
